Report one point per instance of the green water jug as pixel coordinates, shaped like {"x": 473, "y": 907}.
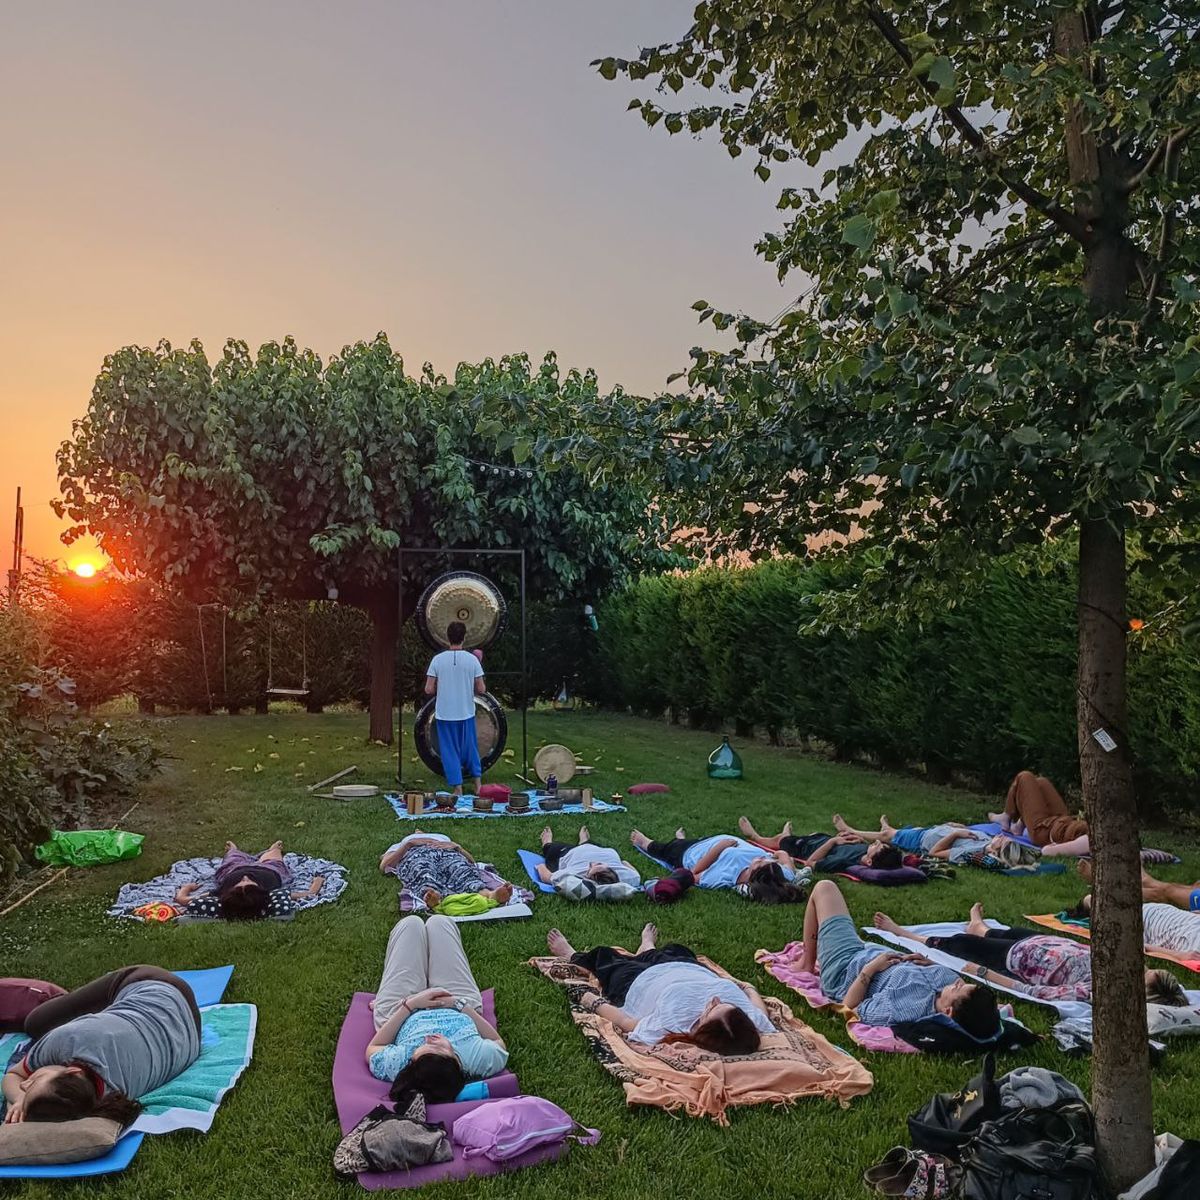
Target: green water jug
{"x": 724, "y": 763}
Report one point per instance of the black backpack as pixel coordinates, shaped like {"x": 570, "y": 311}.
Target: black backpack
{"x": 1033, "y": 1153}
{"x": 949, "y": 1121}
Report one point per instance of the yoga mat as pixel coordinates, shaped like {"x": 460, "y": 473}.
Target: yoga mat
{"x": 209, "y": 986}
{"x": 1051, "y": 921}
{"x": 505, "y": 912}
{"x": 463, "y": 810}
{"x": 991, "y": 828}
{"x": 531, "y": 861}
{"x": 1065, "y": 1008}
{"x": 356, "y": 1091}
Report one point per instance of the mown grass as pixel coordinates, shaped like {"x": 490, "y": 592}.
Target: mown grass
{"x": 276, "y": 1132}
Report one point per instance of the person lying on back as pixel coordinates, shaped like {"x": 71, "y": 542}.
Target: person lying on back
{"x": 825, "y": 852}
{"x": 600, "y": 864}
{"x": 882, "y": 986}
{"x": 246, "y": 887}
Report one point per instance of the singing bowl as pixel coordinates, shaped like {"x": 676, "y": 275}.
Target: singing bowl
{"x": 461, "y": 596}
{"x": 491, "y": 732}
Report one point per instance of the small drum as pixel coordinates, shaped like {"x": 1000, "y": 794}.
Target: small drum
{"x": 491, "y": 732}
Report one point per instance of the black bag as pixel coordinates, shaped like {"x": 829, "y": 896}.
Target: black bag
{"x": 1033, "y": 1154}
{"x": 940, "y": 1035}
{"x": 950, "y": 1120}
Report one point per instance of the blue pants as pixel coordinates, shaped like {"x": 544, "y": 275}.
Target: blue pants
{"x": 459, "y": 748}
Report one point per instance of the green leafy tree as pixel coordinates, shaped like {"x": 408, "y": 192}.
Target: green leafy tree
{"x": 274, "y": 474}
{"x": 995, "y": 340}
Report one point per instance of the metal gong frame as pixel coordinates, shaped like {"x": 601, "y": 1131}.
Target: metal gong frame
{"x": 522, "y": 673}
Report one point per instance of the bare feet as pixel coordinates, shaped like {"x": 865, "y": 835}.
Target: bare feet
{"x": 502, "y": 894}
{"x": 1002, "y": 819}
{"x": 432, "y": 898}
{"x": 547, "y": 835}
{"x": 746, "y": 829}
{"x": 976, "y": 924}
{"x": 230, "y": 846}
{"x": 885, "y": 826}
{"x": 639, "y": 839}
{"x": 884, "y": 922}
{"x": 1084, "y": 867}
{"x": 786, "y": 831}
{"x": 558, "y": 945}
{"x": 679, "y": 833}
{"x": 649, "y": 937}
{"x": 584, "y": 835}
{"x": 839, "y": 823}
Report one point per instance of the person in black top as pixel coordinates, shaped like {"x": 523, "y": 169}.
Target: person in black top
{"x": 246, "y": 887}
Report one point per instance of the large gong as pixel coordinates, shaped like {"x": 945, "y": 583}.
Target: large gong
{"x": 461, "y": 596}
{"x": 491, "y": 731}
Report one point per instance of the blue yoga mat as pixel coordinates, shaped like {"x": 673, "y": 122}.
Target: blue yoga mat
{"x": 209, "y": 986}
{"x": 531, "y": 862}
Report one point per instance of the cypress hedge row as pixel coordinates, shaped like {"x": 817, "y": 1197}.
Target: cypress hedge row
{"x": 981, "y": 691}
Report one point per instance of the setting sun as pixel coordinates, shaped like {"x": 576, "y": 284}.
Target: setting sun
{"x": 85, "y": 570}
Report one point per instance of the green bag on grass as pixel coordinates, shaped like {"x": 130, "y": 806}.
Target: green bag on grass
{"x": 89, "y": 847}
{"x": 465, "y": 904}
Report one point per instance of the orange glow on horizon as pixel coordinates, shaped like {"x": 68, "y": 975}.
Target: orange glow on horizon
{"x": 85, "y": 570}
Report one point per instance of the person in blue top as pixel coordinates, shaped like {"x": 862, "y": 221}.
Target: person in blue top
{"x": 882, "y": 986}
{"x": 430, "y": 1033}
{"x": 729, "y": 862}
{"x": 455, "y": 677}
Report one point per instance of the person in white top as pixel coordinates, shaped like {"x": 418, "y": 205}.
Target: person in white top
{"x": 455, "y": 677}
{"x": 667, "y": 996}
{"x": 600, "y": 864}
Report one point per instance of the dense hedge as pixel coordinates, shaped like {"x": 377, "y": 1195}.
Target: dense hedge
{"x": 983, "y": 690}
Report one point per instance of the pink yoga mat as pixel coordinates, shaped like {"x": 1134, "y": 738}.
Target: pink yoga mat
{"x": 356, "y": 1091}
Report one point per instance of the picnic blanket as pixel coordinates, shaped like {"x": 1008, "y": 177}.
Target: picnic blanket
{"x": 162, "y": 888}
{"x": 410, "y": 902}
{"x": 1055, "y": 921}
{"x": 180, "y": 1104}
{"x": 794, "y": 1062}
{"x": 356, "y": 1092}
{"x": 463, "y": 808}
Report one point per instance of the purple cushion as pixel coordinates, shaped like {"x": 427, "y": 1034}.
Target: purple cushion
{"x": 647, "y": 789}
{"x": 19, "y": 997}
{"x": 897, "y": 877}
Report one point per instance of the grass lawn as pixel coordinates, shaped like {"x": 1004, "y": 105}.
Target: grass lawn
{"x": 276, "y": 1132}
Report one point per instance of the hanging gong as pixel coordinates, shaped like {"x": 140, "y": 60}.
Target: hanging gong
{"x": 491, "y": 732}
{"x": 461, "y": 596}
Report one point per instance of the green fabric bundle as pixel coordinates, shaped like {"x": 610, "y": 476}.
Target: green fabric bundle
{"x": 89, "y": 847}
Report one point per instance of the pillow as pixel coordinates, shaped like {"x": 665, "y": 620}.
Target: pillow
{"x": 29, "y": 1143}
{"x": 506, "y": 1129}
{"x": 576, "y": 887}
{"x": 19, "y": 997}
{"x": 896, "y": 877}
{"x": 496, "y": 792}
{"x": 647, "y": 789}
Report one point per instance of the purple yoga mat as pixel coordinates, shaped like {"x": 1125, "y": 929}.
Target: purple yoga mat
{"x": 356, "y": 1091}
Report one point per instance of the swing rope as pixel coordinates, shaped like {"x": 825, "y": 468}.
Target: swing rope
{"x": 204, "y": 654}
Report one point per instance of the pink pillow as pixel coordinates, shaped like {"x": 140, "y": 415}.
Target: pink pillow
{"x": 506, "y": 1129}
{"x": 19, "y": 997}
{"x": 647, "y": 789}
{"x": 496, "y": 792}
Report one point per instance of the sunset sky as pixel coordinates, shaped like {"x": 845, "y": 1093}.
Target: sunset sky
{"x": 450, "y": 171}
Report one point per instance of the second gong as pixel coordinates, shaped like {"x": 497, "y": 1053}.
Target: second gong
{"x": 461, "y": 596}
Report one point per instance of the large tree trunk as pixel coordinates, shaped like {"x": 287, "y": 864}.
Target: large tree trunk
{"x": 384, "y": 629}
{"x": 1121, "y": 1091}
{"x": 1121, "y": 1060}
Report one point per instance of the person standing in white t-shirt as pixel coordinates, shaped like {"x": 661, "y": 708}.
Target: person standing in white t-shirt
{"x": 455, "y": 677}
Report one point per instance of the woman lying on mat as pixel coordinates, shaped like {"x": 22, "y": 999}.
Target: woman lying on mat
{"x": 951, "y": 840}
{"x": 98, "y": 1048}
{"x": 883, "y": 986}
{"x": 246, "y": 887}
{"x": 1034, "y": 807}
{"x": 825, "y": 852}
{"x": 1038, "y": 964}
{"x": 1164, "y": 927}
{"x": 667, "y": 996}
{"x": 728, "y": 862}
{"x": 600, "y": 864}
{"x": 430, "y": 1035}
{"x": 431, "y": 866}
{"x": 1154, "y": 891}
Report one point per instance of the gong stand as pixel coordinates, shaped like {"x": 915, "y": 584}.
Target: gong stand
{"x": 522, "y": 673}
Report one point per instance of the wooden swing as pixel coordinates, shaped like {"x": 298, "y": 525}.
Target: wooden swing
{"x": 287, "y": 693}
